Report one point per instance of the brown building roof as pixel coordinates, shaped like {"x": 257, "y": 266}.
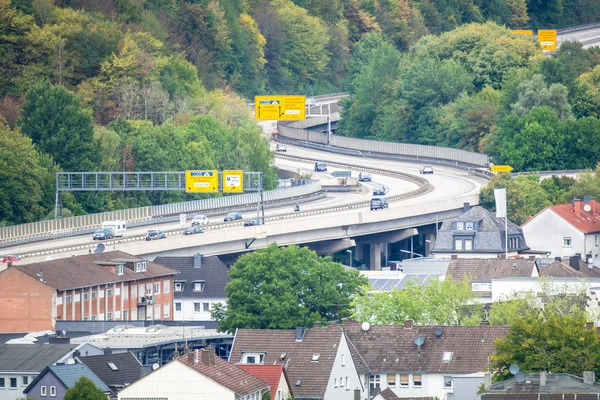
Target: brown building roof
{"x": 226, "y": 374}
{"x": 561, "y": 269}
{"x": 268, "y": 373}
{"x": 488, "y": 269}
{"x": 280, "y": 347}
{"x": 391, "y": 348}
{"x": 83, "y": 271}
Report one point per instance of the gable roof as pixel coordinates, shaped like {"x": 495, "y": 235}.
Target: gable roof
{"x": 561, "y": 269}
{"x": 226, "y": 374}
{"x": 32, "y": 357}
{"x": 488, "y": 269}
{"x": 313, "y": 375}
{"x": 268, "y": 373}
{"x": 83, "y": 271}
{"x": 212, "y": 270}
{"x": 128, "y": 367}
{"x": 68, "y": 375}
{"x": 391, "y": 348}
{"x": 586, "y": 222}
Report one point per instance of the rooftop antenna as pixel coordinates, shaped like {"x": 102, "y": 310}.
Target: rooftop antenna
{"x": 419, "y": 340}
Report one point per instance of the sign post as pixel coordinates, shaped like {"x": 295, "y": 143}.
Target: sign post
{"x": 281, "y": 108}
{"x": 182, "y": 218}
{"x": 233, "y": 181}
{"x": 547, "y": 39}
{"x": 202, "y": 181}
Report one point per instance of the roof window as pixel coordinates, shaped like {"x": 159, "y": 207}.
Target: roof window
{"x": 447, "y": 357}
{"x": 112, "y": 366}
{"x": 315, "y": 357}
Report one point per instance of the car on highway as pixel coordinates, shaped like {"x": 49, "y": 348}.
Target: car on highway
{"x": 103, "y": 234}
{"x": 250, "y": 222}
{"x": 155, "y": 234}
{"x": 10, "y": 258}
{"x": 364, "y": 177}
{"x": 281, "y": 148}
{"x": 378, "y": 203}
{"x": 192, "y": 230}
{"x": 426, "y": 169}
{"x": 200, "y": 219}
{"x": 232, "y": 216}
{"x": 320, "y": 166}
{"x": 378, "y": 190}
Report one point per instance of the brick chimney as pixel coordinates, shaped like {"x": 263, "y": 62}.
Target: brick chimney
{"x": 454, "y": 257}
{"x": 574, "y": 261}
{"x": 208, "y": 355}
{"x": 317, "y": 324}
{"x": 190, "y": 357}
{"x": 577, "y": 204}
{"x": 408, "y": 324}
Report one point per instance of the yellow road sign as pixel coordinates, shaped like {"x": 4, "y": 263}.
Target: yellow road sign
{"x": 282, "y": 108}
{"x": 202, "y": 181}
{"x": 233, "y": 181}
{"x": 522, "y": 31}
{"x": 547, "y": 39}
{"x": 501, "y": 168}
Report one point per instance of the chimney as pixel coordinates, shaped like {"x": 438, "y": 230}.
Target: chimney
{"x": 589, "y": 377}
{"x": 190, "y": 357}
{"x": 454, "y": 257}
{"x": 208, "y": 355}
{"x": 299, "y": 334}
{"x": 408, "y": 324}
{"x": 484, "y": 323}
{"x": 487, "y": 381}
{"x": 9, "y": 265}
{"x": 543, "y": 378}
{"x": 557, "y": 259}
{"x": 574, "y": 261}
{"x": 77, "y": 353}
{"x": 577, "y": 204}
{"x": 197, "y": 260}
{"x": 186, "y": 350}
{"x": 317, "y": 324}
{"x": 107, "y": 351}
{"x": 175, "y": 354}
{"x": 531, "y": 258}
{"x": 503, "y": 256}
{"x": 466, "y": 207}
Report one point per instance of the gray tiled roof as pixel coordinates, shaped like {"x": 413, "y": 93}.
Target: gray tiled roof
{"x": 31, "y": 357}
{"x": 128, "y": 367}
{"x": 488, "y": 238}
{"x": 391, "y": 348}
{"x": 69, "y": 374}
{"x": 212, "y": 270}
{"x": 484, "y": 270}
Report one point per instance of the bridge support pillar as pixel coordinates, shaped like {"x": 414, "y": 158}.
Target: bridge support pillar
{"x": 375, "y": 257}
{"x": 429, "y": 243}
{"x": 359, "y": 252}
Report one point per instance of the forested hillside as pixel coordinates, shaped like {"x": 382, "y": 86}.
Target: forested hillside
{"x": 139, "y": 85}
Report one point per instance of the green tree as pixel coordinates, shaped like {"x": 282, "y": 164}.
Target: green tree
{"x": 53, "y": 118}
{"x": 535, "y": 93}
{"x": 282, "y": 288}
{"x": 432, "y": 303}
{"x": 84, "y": 389}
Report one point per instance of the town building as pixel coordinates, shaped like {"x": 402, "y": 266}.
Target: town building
{"x": 275, "y": 376}
{"x": 112, "y": 286}
{"x": 55, "y": 380}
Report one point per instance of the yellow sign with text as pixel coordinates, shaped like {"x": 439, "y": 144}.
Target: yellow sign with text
{"x": 233, "y": 181}
{"x": 547, "y": 39}
{"x": 280, "y": 108}
{"x": 502, "y": 168}
{"x": 522, "y": 31}
{"x": 202, "y": 181}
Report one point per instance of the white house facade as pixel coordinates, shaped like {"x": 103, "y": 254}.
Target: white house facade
{"x": 344, "y": 381}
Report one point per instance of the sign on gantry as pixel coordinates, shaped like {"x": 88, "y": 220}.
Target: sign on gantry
{"x": 547, "y": 39}
{"x": 202, "y": 181}
{"x": 233, "y": 181}
{"x": 281, "y": 108}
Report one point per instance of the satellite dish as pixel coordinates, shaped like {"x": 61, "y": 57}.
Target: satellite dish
{"x": 155, "y": 366}
{"x": 365, "y": 326}
{"x": 419, "y": 340}
{"x": 513, "y": 369}
{"x": 100, "y": 248}
{"x": 520, "y": 377}
{"x": 587, "y": 208}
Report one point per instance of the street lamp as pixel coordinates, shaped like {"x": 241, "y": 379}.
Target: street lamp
{"x": 411, "y": 253}
{"x": 350, "y": 251}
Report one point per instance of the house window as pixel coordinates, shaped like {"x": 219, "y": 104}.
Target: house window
{"x": 140, "y": 266}
{"x": 68, "y": 299}
{"x": 198, "y": 286}
{"x": 567, "y": 242}
{"x": 460, "y": 226}
{"x": 391, "y": 380}
{"x": 347, "y": 384}
{"x": 149, "y": 289}
{"x": 13, "y": 383}
{"x": 166, "y": 310}
{"x": 120, "y": 269}
{"x": 343, "y": 360}
{"x": 447, "y": 382}
{"x": 52, "y": 391}
{"x": 196, "y": 307}
{"x": 25, "y": 380}
{"x": 458, "y": 244}
{"x": 108, "y": 292}
{"x": 205, "y": 307}
{"x": 178, "y": 286}
{"x": 469, "y": 226}
{"x": 93, "y": 317}
{"x": 43, "y": 391}
{"x": 86, "y": 296}
{"x": 157, "y": 311}
{"x": 166, "y": 287}
{"x": 157, "y": 288}
{"x": 133, "y": 291}
{"x": 125, "y": 315}
{"x": 596, "y": 240}
{"x": 2, "y": 383}
{"x": 108, "y": 315}
{"x": 93, "y": 295}
{"x": 334, "y": 382}
{"x": 177, "y": 307}
{"x": 417, "y": 380}
{"x": 315, "y": 357}
{"x": 253, "y": 358}
{"x": 468, "y": 244}
{"x": 374, "y": 382}
{"x": 403, "y": 380}
{"x": 481, "y": 287}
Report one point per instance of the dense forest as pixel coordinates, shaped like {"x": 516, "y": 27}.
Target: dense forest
{"x": 140, "y": 85}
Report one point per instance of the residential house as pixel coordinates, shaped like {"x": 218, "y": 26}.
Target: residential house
{"x": 275, "y": 376}
{"x": 482, "y": 272}
{"x": 477, "y": 233}
{"x": 445, "y": 362}
{"x": 21, "y": 363}
{"x": 199, "y": 375}
{"x": 199, "y": 284}
{"x": 543, "y": 385}
{"x": 55, "y": 380}
{"x": 104, "y": 286}
{"x": 565, "y": 230}
{"x": 115, "y": 370}
{"x": 318, "y": 361}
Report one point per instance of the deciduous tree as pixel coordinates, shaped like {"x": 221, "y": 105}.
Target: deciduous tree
{"x": 84, "y": 389}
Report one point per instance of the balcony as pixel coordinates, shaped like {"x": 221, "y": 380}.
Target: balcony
{"x": 145, "y": 300}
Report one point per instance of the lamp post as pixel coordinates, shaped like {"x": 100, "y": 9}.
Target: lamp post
{"x": 350, "y": 251}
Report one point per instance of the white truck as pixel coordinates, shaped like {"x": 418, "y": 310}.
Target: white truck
{"x": 118, "y": 227}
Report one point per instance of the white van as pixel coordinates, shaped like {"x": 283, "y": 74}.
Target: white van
{"x": 118, "y": 227}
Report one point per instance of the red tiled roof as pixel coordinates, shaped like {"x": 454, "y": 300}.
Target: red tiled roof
{"x": 586, "y": 222}
{"x": 268, "y": 373}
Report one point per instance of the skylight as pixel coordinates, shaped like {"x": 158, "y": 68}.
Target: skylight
{"x": 112, "y": 366}
{"x": 447, "y": 357}
{"x": 315, "y": 357}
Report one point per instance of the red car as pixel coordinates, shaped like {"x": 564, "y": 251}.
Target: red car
{"x": 10, "y": 259}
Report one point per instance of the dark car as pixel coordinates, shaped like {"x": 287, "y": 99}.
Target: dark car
{"x": 364, "y": 177}
{"x": 251, "y": 222}
{"x": 103, "y": 234}
{"x": 378, "y": 190}
{"x": 192, "y": 231}
{"x": 154, "y": 234}
{"x": 11, "y": 258}
{"x": 232, "y": 216}
{"x": 378, "y": 203}
{"x": 320, "y": 166}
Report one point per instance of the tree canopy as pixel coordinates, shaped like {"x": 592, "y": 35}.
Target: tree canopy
{"x": 84, "y": 389}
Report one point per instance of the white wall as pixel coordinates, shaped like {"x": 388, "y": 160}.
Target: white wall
{"x": 591, "y": 246}
{"x": 8, "y": 393}
{"x": 187, "y": 312}
{"x": 467, "y": 255}
{"x": 343, "y": 370}
{"x": 282, "y": 389}
{"x": 546, "y": 232}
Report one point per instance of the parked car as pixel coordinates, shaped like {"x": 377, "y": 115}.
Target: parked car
{"x": 200, "y": 219}
{"x": 378, "y": 190}
{"x": 250, "y": 222}
{"x": 378, "y": 203}
{"x": 232, "y": 216}
{"x": 103, "y": 234}
{"x": 193, "y": 230}
{"x": 320, "y": 166}
{"x": 281, "y": 148}
{"x": 364, "y": 177}
{"x": 426, "y": 169}
{"x": 10, "y": 258}
{"x": 154, "y": 234}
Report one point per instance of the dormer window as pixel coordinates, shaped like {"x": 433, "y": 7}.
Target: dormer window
{"x": 198, "y": 286}
{"x": 120, "y": 269}
{"x": 179, "y": 286}
{"x": 140, "y": 266}
{"x": 460, "y": 226}
{"x": 469, "y": 226}
{"x": 253, "y": 358}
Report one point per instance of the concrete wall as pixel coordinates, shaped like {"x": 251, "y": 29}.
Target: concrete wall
{"x": 343, "y": 368}
{"x": 465, "y": 388}
{"x": 26, "y": 304}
